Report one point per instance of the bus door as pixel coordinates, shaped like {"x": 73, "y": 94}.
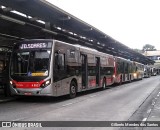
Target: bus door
{"x": 128, "y": 72}
{"x": 123, "y": 74}
{"x": 98, "y": 71}
{"x": 84, "y": 71}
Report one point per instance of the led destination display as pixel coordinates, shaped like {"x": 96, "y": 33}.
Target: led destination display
{"x": 33, "y": 45}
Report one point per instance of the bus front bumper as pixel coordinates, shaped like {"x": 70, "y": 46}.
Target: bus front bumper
{"x": 47, "y": 91}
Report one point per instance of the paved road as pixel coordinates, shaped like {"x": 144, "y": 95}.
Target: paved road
{"x": 120, "y": 103}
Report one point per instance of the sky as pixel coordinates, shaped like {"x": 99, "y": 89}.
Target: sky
{"x": 131, "y": 22}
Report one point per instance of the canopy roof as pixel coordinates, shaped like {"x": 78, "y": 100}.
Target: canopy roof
{"x": 32, "y": 19}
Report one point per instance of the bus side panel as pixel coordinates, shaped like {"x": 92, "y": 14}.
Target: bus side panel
{"x": 91, "y": 59}
{"x": 91, "y": 81}
{"x": 71, "y": 69}
{"x": 118, "y": 78}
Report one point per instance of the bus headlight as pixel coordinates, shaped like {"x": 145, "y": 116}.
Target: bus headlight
{"x": 46, "y": 83}
{"x": 114, "y": 76}
{"x": 11, "y": 82}
{"x": 134, "y": 74}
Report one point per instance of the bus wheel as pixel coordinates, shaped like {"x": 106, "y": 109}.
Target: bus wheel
{"x": 104, "y": 83}
{"x": 130, "y": 80}
{"x": 120, "y": 81}
{"x": 73, "y": 90}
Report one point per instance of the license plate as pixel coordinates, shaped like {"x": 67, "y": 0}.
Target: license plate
{"x": 28, "y": 93}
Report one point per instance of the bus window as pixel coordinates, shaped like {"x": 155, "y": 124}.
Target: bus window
{"x": 1, "y": 66}
{"x": 72, "y": 53}
{"x": 59, "y": 61}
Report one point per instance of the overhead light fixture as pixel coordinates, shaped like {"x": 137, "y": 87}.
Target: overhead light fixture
{"x": 65, "y": 18}
{"x": 29, "y": 17}
{"x": 18, "y": 13}
{"x": 59, "y": 28}
{"x": 108, "y": 50}
{"x": 103, "y": 37}
{"x": 41, "y": 21}
{"x": 75, "y": 39}
{"x": 88, "y": 43}
{"x": 6, "y": 9}
{"x": 70, "y": 33}
{"x": 2, "y": 7}
{"x": 12, "y": 19}
{"x": 99, "y": 47}
{"x": 49, "y": 31}
{"x": 69, "y": 17}
{"x": 88, "y": 29}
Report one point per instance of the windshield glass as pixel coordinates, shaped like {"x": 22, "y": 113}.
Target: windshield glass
{"x": 31, "y": 63}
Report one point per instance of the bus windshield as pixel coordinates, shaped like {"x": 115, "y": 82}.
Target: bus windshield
{"x": 31, "y": 63}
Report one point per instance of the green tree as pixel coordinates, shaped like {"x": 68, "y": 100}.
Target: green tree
{"x": 148, "y": 47}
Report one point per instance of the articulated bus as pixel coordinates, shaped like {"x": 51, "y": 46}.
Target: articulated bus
{"x": 147, "y": 71}
{"x": 123, "y": 70}
{"x": 55, "y": 68}
{"x": 158, "y": 71}
{"x": 138, "y": 70}
{"x": 126, "y": 70}
{"x": 153, "y": 71}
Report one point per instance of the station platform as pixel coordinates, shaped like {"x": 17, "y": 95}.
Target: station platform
{"x": 155, "y": 111}
{"x": 3, "y": 98}
{"x": 154, "y": 114}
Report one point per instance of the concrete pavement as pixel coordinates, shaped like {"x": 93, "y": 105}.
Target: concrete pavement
{"x": 132, "y": 101}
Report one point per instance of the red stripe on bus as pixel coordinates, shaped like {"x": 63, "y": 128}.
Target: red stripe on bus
{"x": 28, "y": 84}
{"x": 92, "y": 82}
{"x": 109, "y": 80}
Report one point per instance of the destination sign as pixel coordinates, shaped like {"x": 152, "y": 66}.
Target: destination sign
{"x": 33, "y": 45}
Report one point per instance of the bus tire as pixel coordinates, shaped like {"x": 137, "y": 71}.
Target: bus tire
{"x": 73, "y": 90}
{"x": 104, "y": 83}
{"x": 130, "y": 80}
{"x": 120, "y": 81}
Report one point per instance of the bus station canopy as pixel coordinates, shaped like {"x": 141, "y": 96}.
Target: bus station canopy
{"x": 35, "y": 19}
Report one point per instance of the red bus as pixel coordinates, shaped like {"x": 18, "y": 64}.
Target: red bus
{"x": 123, "y": 70}
{"x": 55, "y": 68}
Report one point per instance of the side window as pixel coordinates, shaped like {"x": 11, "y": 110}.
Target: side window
{"x": 59, "y": 61}
{"x": 126, "y": 67}
{"x": 1, "y": 66}
{"x": 72, "y": 53}
{"x": 121, "y": 67}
